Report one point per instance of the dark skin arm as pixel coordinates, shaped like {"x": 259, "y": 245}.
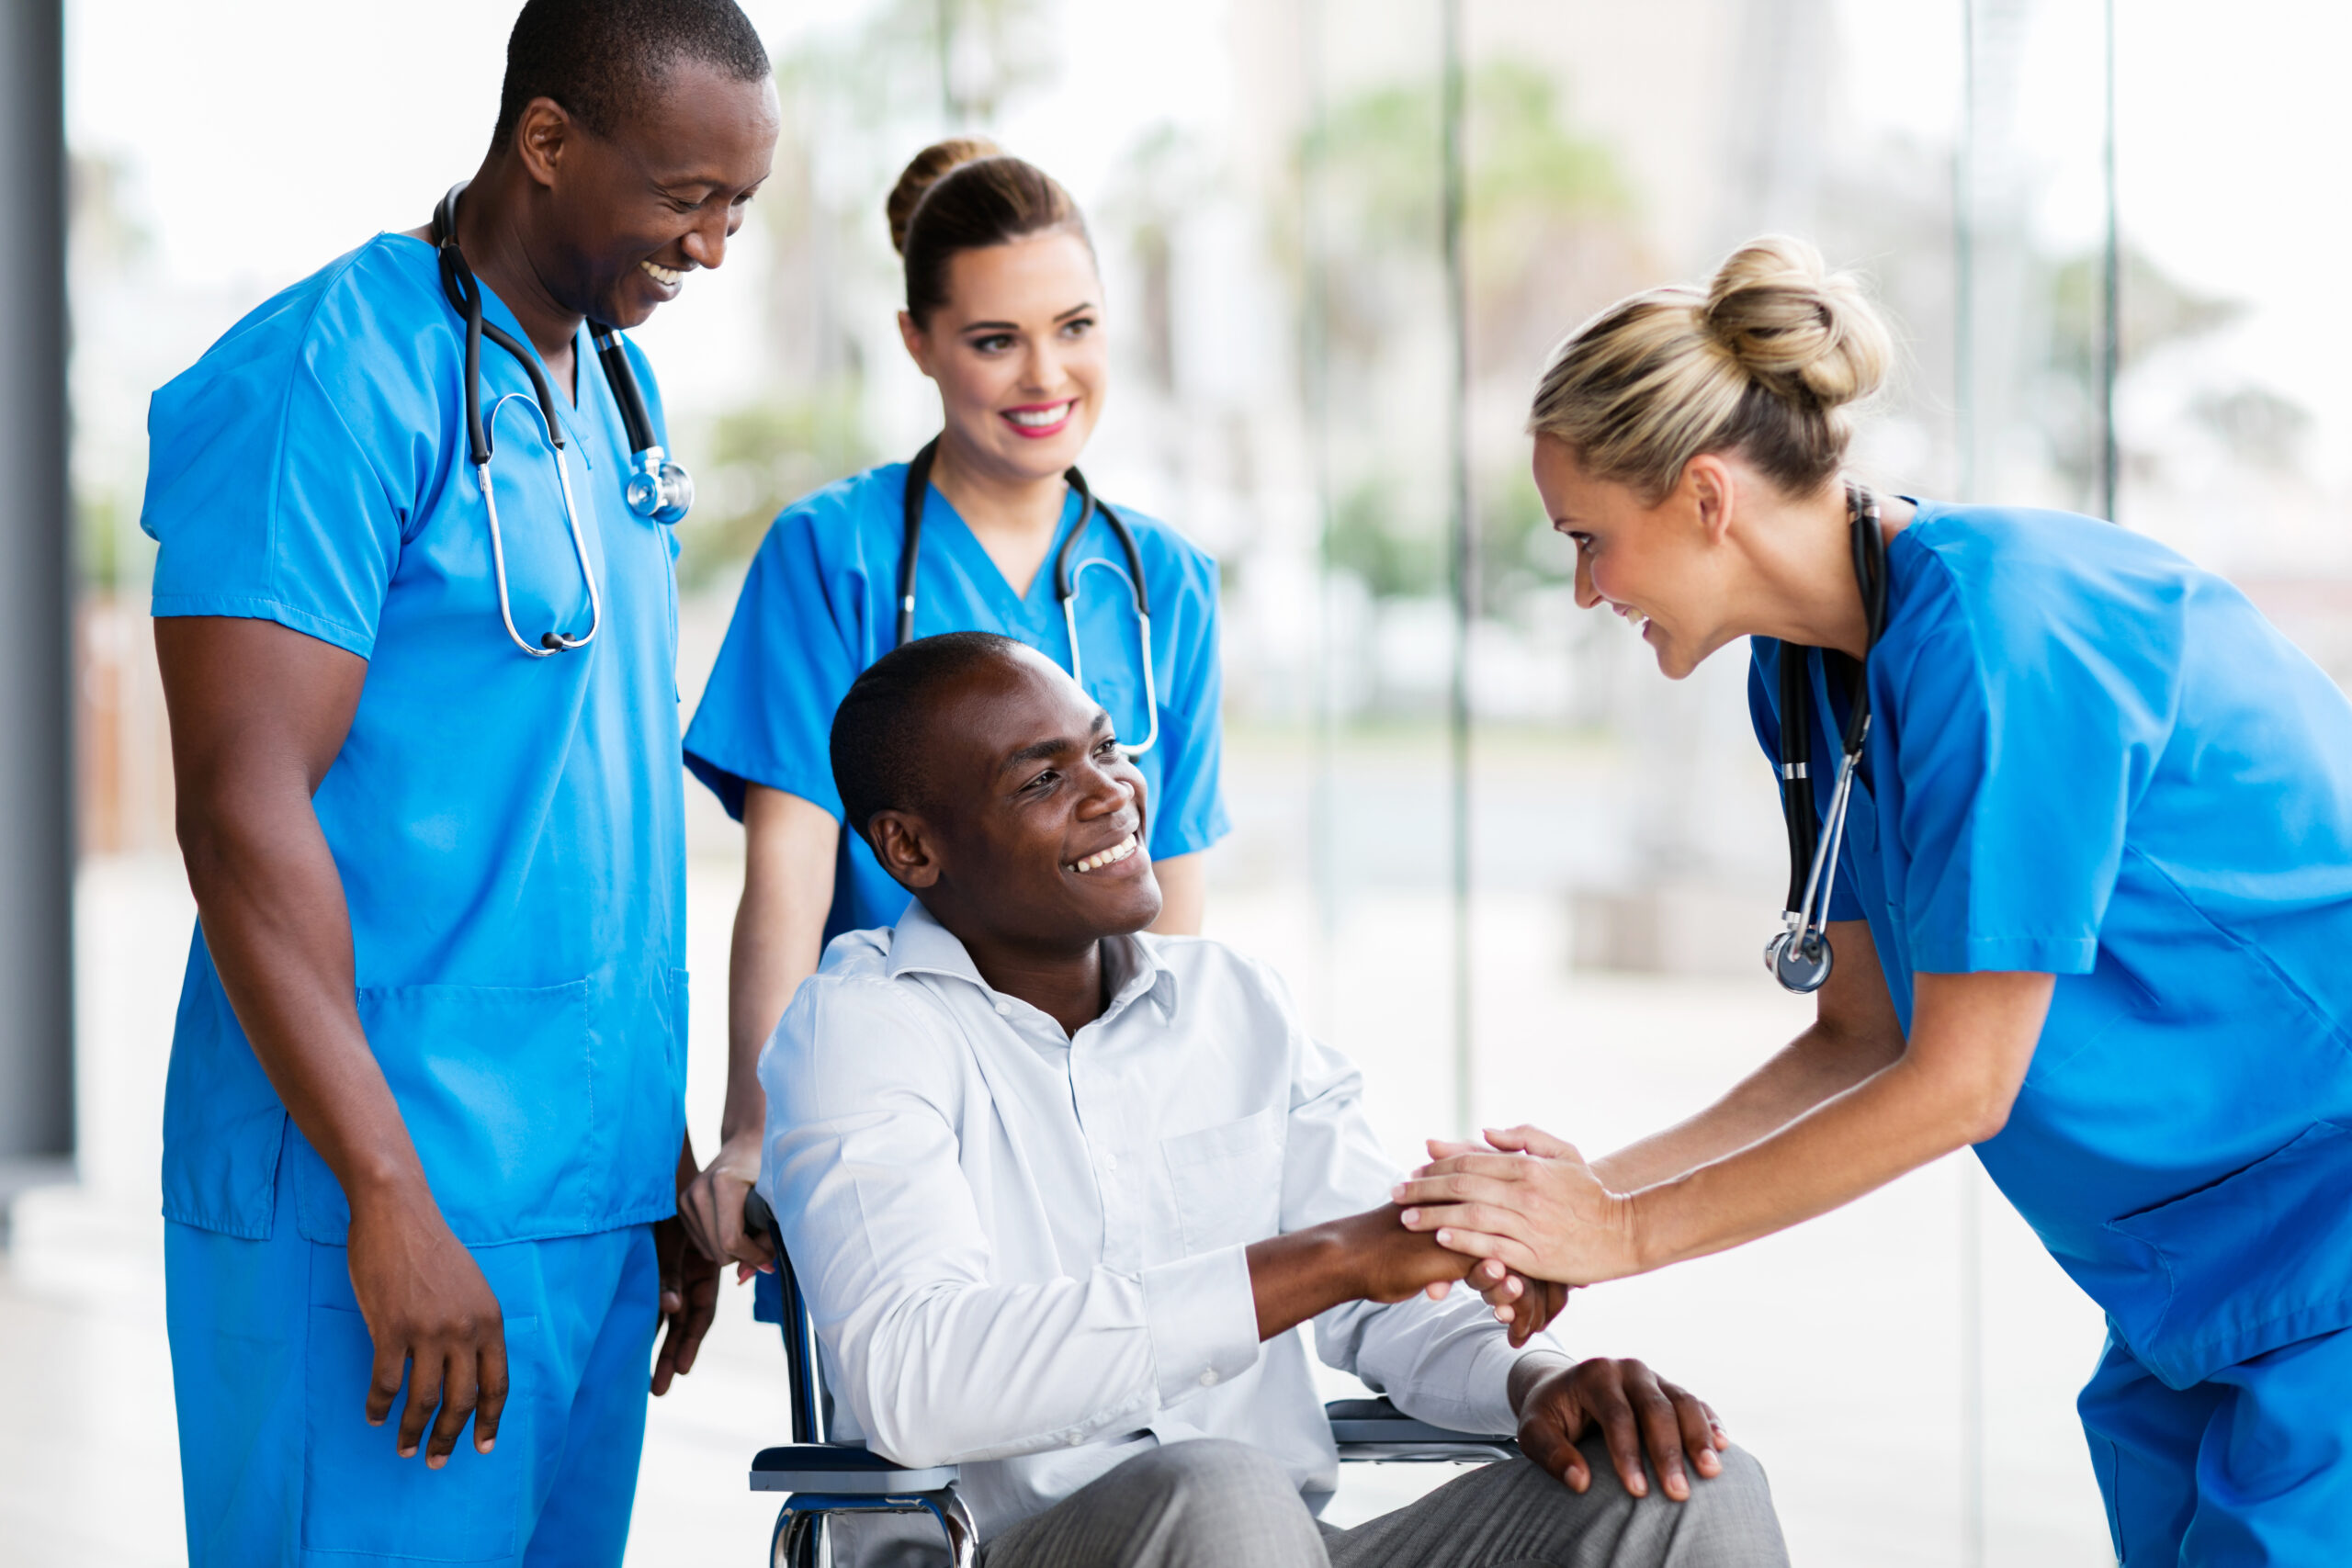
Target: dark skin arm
{"x": 689, "y": 1286}
{"x": 258, "y": 713}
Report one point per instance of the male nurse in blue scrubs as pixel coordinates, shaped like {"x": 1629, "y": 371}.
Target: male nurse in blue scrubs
{"x": 423, "y": 1126}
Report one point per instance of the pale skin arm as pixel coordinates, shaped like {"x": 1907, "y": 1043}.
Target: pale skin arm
{"x": 1855, "y": 1032}
{"x": 1183, "y": 894}
{"x": 789, "y": 845}
{"x": 1548, "y": 1214}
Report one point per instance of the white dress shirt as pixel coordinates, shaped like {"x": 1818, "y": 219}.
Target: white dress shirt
{"x": 1023, "y": 1252}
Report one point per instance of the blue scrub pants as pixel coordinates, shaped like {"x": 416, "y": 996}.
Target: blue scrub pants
{"x": 2252, "y": 1466}
{"x": 270, "y": 1366}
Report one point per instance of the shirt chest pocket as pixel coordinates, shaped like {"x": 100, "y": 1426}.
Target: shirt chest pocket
{"x": 1226, "y": 1181}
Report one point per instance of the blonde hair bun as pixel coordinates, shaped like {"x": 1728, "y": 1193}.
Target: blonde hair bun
{"x": 1792, "y": 323}
{"x": 1765, "y": 361}
{"x": 926, "y": 169}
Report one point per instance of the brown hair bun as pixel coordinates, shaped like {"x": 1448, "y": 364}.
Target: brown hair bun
{"x": 964, "y": 195}
{"x": 924, "y": 171}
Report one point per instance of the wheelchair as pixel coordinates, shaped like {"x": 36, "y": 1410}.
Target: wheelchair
{"x": 821, "y": 1478}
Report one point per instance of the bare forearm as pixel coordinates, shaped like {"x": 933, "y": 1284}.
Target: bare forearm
{"x": 789, "y": 853}
{"x": 1183, "y": 894}
{"x": 1819, "y": 1065}
{"x": 766, "y": 962}
{"x": 1895, "y": 1121}
{"x": 1297, "y": 1277}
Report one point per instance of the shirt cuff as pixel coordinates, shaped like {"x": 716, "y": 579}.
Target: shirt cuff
{"x": 1202, "y": 1320}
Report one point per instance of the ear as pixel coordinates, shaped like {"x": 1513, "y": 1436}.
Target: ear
{"x": 918, "y": 341}
{"x": 902, "y": 842}
{"x": 542, "y": 131}
{"x": 1713, "y": 495}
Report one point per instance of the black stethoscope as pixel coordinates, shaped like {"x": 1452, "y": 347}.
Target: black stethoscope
{"x": 1799, "y": 957}
{"x": 658, "y": 488}
{"x": 1065, "y": 576}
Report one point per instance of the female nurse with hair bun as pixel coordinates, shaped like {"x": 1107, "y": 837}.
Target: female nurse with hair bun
{"x": 1005, "y": 313}
{"x": 2090, "y": 910}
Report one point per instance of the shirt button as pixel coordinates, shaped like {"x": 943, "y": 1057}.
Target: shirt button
{"x": 1110, "y": 1162}
{"x": 1004, "y": 1009}
{"x": 1075, "y": 1439}
{"x": 1208, "y": 1379}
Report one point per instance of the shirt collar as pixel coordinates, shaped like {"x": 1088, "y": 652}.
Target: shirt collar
{"x": 921, "y": 945}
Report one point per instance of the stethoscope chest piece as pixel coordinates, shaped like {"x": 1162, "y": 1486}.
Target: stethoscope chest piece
{"x": 1799, "y": 961}
{"x": 659, "y": 488}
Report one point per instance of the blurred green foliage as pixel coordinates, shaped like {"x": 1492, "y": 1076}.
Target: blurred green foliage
{"x": 757, "y": 460}
{"x": 1537, "y": 189}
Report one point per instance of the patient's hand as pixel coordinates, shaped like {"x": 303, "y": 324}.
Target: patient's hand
{"x": 1369, "y": 1256}
{"x": 1526, "y": 1306}
{"x": 1558, "y": 1400}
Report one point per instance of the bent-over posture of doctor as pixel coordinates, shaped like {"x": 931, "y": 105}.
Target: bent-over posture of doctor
{"x": 415, "y": 612}
{"x": 2071, "y": 834}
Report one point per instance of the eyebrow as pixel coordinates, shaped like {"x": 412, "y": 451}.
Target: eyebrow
{"x": 1039, "y": 751}
{"x": 1079, "y": 310}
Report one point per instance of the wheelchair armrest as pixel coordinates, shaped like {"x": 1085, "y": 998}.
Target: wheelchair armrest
{"x": 840, "y": 1470}
{"x": 1375, "y": 1430}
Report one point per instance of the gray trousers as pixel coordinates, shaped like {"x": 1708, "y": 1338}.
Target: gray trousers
{"x": 1215, "y": 1503}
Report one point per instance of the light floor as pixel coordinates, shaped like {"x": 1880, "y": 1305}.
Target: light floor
{"x": 1834, "y": 1352}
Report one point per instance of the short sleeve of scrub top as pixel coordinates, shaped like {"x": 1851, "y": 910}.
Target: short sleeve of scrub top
{"x": 2009, "y": 739}
{"x": 819, "y": 605}
{"x": 279, "y": 427}
{"x": 2017, "y": 740}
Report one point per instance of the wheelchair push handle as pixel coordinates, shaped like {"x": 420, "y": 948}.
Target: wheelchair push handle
{"x": 758, "y": 1219}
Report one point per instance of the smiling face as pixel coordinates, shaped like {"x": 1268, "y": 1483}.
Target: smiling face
{"x": 1664, "y": 567}
{"x": 629, "y": 216}
{"x": 1018, "y": 352}
{"x": 1032, "y": 833}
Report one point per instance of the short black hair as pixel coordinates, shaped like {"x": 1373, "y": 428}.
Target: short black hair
{"x": 600, "y": 58}
{"x": 881, "y": 731}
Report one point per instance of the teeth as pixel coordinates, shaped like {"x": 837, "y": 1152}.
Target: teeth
{"x": 1038, "y": 418}
{"x": 660, "y": 273}
{"x": 1111, "y": 856}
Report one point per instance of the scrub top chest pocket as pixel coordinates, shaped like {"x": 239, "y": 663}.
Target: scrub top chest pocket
{"x": 1227, "y": 1181}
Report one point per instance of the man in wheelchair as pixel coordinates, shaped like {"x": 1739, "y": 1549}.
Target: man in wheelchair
{"x": 1061, "y": 1194}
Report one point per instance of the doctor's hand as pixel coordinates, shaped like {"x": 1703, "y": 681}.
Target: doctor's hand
{"x": 1528, "y": 1200}
{"x": 431, "y": 1314}
{"x": 689, "y": 1302}
{"x": 1559, "y": 1401}
{"x": 712, "y": 1208}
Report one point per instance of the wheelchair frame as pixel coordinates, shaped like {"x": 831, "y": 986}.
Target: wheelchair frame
{"x": 821, "y": 1478}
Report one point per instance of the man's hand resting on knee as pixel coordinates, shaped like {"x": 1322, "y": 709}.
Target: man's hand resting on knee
{"x": 1558, "y": 1400}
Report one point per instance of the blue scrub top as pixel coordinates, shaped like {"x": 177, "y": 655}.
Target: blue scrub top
{"x": 509, "y": 829}
{"x": 820, "y": 604}
{"x": 2090, "y": 759}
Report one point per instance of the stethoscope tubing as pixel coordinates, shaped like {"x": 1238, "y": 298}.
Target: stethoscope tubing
{"x": 1066, "y": 576}
{"x": 1800, "y": 956}
{"x": 658, "y": 489}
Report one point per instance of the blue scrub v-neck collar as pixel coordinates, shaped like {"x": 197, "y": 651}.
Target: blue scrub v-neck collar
{"x": 982, "y": 566}
{"x": 495, "y": 310}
